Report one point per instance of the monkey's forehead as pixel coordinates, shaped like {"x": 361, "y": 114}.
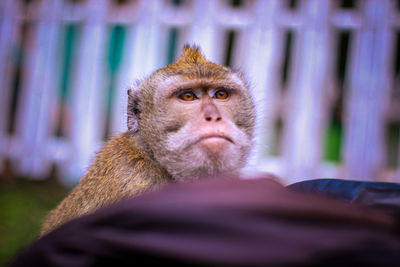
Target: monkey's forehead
{"x": 168, "y": 85}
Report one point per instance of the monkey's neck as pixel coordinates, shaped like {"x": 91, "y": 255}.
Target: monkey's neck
{"x": 123, "y": 164}
{"x": 142, "y": 146}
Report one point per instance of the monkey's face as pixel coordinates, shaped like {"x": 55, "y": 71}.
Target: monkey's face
{"x": 204, "y": 126}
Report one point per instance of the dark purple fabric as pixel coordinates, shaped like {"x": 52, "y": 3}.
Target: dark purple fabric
{"x": 219, "y": 222}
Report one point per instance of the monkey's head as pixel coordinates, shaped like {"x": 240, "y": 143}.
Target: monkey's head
{"x": 193, "y": 117}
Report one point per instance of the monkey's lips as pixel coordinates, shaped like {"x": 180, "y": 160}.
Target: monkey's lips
{"x": 214, "y": 140}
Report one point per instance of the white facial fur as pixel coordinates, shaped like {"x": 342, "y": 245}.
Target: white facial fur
{"x": 202, "y": 148}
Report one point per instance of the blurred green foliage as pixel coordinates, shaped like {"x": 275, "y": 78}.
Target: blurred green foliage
{"x": 23, "y": 206}
{"x": 333, "y": 142}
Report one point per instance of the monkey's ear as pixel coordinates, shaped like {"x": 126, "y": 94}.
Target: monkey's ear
{"x": 133, "y": 110}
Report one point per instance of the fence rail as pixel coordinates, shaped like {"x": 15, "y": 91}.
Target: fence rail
{"x": 325, "y": 76}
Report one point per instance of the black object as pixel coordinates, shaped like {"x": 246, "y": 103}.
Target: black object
{"x": 382, "y": 195}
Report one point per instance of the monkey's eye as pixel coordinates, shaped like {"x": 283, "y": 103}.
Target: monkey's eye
{"x": 221, "y": 94}
{"x": 187, "y": 96}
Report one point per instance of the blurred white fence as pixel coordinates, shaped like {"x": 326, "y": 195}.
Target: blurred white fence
{"x": 309, "y": 61}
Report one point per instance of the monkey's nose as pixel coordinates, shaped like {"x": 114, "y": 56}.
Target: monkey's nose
{"x": 212, "y": 118}
{"x": 211, "y": 112}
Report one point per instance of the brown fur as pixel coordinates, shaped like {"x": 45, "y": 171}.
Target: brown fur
{"x": 145, "y": 157}
{"x": 120, "y": 170}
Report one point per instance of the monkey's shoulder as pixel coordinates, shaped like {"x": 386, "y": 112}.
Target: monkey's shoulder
{"x": 116, "y": 159}
{"x": 121, "y": 159}
{"x": 118, "y": 170}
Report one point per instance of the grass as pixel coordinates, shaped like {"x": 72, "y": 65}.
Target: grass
{"x": 23, "y": 206}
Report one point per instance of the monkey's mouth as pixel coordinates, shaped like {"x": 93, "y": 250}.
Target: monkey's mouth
{"x": 214, "y": 138}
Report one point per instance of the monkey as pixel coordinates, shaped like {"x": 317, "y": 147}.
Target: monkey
{"x": 188, "y": 120}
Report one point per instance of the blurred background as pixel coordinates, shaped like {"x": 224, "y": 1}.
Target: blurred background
{"x": 325, "y": 75}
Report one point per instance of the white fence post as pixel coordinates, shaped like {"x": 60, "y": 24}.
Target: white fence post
{"x": 124, "y": 79}
{"x": 87, "y": 91}
{"x": 142, "y": 55}
{"x": 8, "y": 30}
{"x": 306, "y": 110}
{"x": 203, "y": 29}
{"x": 38, "y": 89}
{"x": 146, "y": 49}
{"x": 262, "y": 65}
{"x": 368, "y": 94}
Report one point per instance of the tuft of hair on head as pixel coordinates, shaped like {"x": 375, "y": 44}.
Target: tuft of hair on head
{"x": 191, "y": 54}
